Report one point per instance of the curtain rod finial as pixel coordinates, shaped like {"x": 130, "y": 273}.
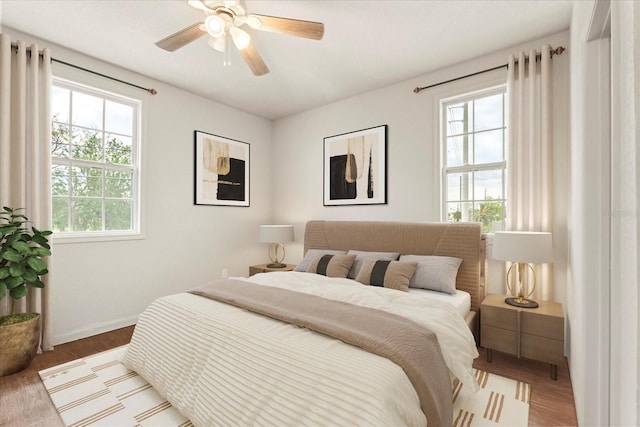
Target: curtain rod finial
{"x": 152, "y": 91}
{"x": 417, "y": 90}
{"x": 559, "y": 50}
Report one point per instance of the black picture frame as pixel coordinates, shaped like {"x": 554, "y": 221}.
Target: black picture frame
{"x": 355, "y": 168}
{"x": 221, "y": 170}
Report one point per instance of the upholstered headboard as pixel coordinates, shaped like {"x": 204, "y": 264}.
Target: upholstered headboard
{"x": 461, "y": 239}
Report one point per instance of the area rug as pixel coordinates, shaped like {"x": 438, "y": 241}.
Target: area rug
{"x": 100, "y": 391}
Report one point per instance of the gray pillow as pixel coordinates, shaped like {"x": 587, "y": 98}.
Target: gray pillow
{"x": 313, "y": 254}
{"x": 436, "y": 273}
{"x": 360, "y": 255}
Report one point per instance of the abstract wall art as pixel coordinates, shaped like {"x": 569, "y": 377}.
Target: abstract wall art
{"x": 355, "y": 168}
{"x": 221, "y": 171}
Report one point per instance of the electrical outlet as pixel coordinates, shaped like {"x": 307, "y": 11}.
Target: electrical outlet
{"x": 225, "y": 273}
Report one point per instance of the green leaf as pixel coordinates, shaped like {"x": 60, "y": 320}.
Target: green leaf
{"x": 22, "y": 247}
{"x": 3, "y": 290}
{"x": 12, "y": 282}
{"x": 19, "y": 292}
{"x": 4, "y": 273}
{"x": 36, "y": 284}
{"x": 11, "y": 255}
{"x": 42, "y": 241}
{"x": 17, "y": 269}
{"x": 29, "y": 275}
{"x": 41, "y": 251}
{"x": 37, "y": 264}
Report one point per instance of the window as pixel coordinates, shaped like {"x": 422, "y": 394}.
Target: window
{"x": 95, "y": 161}
{"x": 474, "y": 159}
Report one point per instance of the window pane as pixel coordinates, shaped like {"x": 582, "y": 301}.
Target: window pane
{"x": 60, "y": 214}
{"x": 458, "y": 186}
{"x": 60, "y": 180}
{"x": 490, "y": 215}
{"x": 461, "y": 211}
{"x": 60, "y": 104}
{"x": 118, "y": 150}
{"x": 87, "y": 215}
{"x": 459, "y": 118}
{"x": 87, "y": 144}
{"x": 87, "y": 110}
{"x": 118, "y": 118}
{"x": 59, "y": 140}
{"x": 118, "y": 215}
{"x": 118, "y": 184}
{"x": 488, "y": 112}
{"x": 459, "y": 149}
{"x": 86, "y": 182}
{"x": 488, "y": 147}
{"x": 488, "y": 185}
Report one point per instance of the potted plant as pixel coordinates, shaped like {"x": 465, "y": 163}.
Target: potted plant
{"x": 22, "y": 249}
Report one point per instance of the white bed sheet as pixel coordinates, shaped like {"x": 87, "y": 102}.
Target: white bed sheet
{"x": 461, "y": 300}
{"x": 222, "y": 365}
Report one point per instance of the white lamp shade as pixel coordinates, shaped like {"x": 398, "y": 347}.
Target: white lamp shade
{"x": 523, "y": 246}
{"x": 276, "y": 233}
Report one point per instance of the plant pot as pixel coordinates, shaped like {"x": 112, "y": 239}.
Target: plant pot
{"x": 19, "y": 345}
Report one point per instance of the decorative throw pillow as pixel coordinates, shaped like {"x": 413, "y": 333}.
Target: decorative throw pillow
{"x": 332, "y": 265}
{"x": 313, "y": 254}
{"x": 360, "y": 255}
{"x": 390, "y": 274}
{"x": 436, "y": 273}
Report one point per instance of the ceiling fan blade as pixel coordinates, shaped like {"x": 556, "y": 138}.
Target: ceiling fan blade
{"x": 292, "y": 27}
{"x": 181, "y": 38}
{"x": 254, "y": 60}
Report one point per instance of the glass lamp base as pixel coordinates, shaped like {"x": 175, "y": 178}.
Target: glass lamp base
{"x": 521, "y": 302}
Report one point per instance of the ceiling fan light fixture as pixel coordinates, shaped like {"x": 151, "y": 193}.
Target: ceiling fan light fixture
{"x": 253, "y": 21}
{"x": 240, "y": 38}
{"x": 218, "y": 43}
{"x": 214, "y": 25}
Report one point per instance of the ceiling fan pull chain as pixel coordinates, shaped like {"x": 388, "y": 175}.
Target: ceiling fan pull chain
{"x": 227, "y": 50}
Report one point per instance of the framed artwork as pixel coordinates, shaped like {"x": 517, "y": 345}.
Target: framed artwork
{"x": 355, "y": 168}
{"x": 221, "y": 171}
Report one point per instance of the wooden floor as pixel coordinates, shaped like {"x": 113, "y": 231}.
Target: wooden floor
{"x": 24, "y": 401}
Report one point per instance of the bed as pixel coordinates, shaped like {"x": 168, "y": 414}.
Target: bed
{"x": 303, "y": 348}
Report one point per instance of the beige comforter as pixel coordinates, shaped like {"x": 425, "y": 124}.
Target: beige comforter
{"x": 222, "y": 365}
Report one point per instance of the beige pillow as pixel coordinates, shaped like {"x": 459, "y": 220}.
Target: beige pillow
{"x": 332, "y": 265}
{"x": 390, "y": 274}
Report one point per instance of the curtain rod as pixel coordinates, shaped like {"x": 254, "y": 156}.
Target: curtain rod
{"x": 77, "y": 67}
{"x": 556, "y": 51}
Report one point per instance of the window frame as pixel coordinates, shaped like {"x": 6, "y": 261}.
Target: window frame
{"x": 472, "y": 167}
{"x": 137, "y": 104}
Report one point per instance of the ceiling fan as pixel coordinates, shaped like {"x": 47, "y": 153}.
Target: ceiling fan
{"x": 223, "y": 23}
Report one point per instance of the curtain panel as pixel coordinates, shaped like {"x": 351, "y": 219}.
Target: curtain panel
{"x": 530, "y": 161}
{"x": 25, "y": 153}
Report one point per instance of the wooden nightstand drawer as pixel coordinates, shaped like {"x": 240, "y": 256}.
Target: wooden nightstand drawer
{"x": 542, "y": 349}
{"x": 543, "y": 326}
{"x": 499, "y": 339}
{"x": 498, "y": 318}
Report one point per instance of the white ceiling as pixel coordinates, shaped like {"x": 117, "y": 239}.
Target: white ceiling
{"x": 367, "y": 44}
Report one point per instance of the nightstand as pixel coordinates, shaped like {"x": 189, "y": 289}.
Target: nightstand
{"x": 532, "y": 333}
{"x": 262, "y": 268}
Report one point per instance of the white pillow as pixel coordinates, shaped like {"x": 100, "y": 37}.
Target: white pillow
{"x": 311, "y": 255}
{"x": 360, "y": 255}
{"x": 436, "y": 273}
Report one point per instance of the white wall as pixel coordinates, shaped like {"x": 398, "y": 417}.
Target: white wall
{"x": 101, "y": 286}
{"x": 413, "y": 171}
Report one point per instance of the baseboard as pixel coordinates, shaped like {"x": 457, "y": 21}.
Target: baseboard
{"x": 94, "y": 329}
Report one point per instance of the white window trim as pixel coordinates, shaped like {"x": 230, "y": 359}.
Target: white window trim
{"x": 109, "y": 90}
{"x": 464, "y": 96}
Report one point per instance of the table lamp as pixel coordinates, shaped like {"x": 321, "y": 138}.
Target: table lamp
{"x": 276, "y": 234}
{"x": 522, "y": 248}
